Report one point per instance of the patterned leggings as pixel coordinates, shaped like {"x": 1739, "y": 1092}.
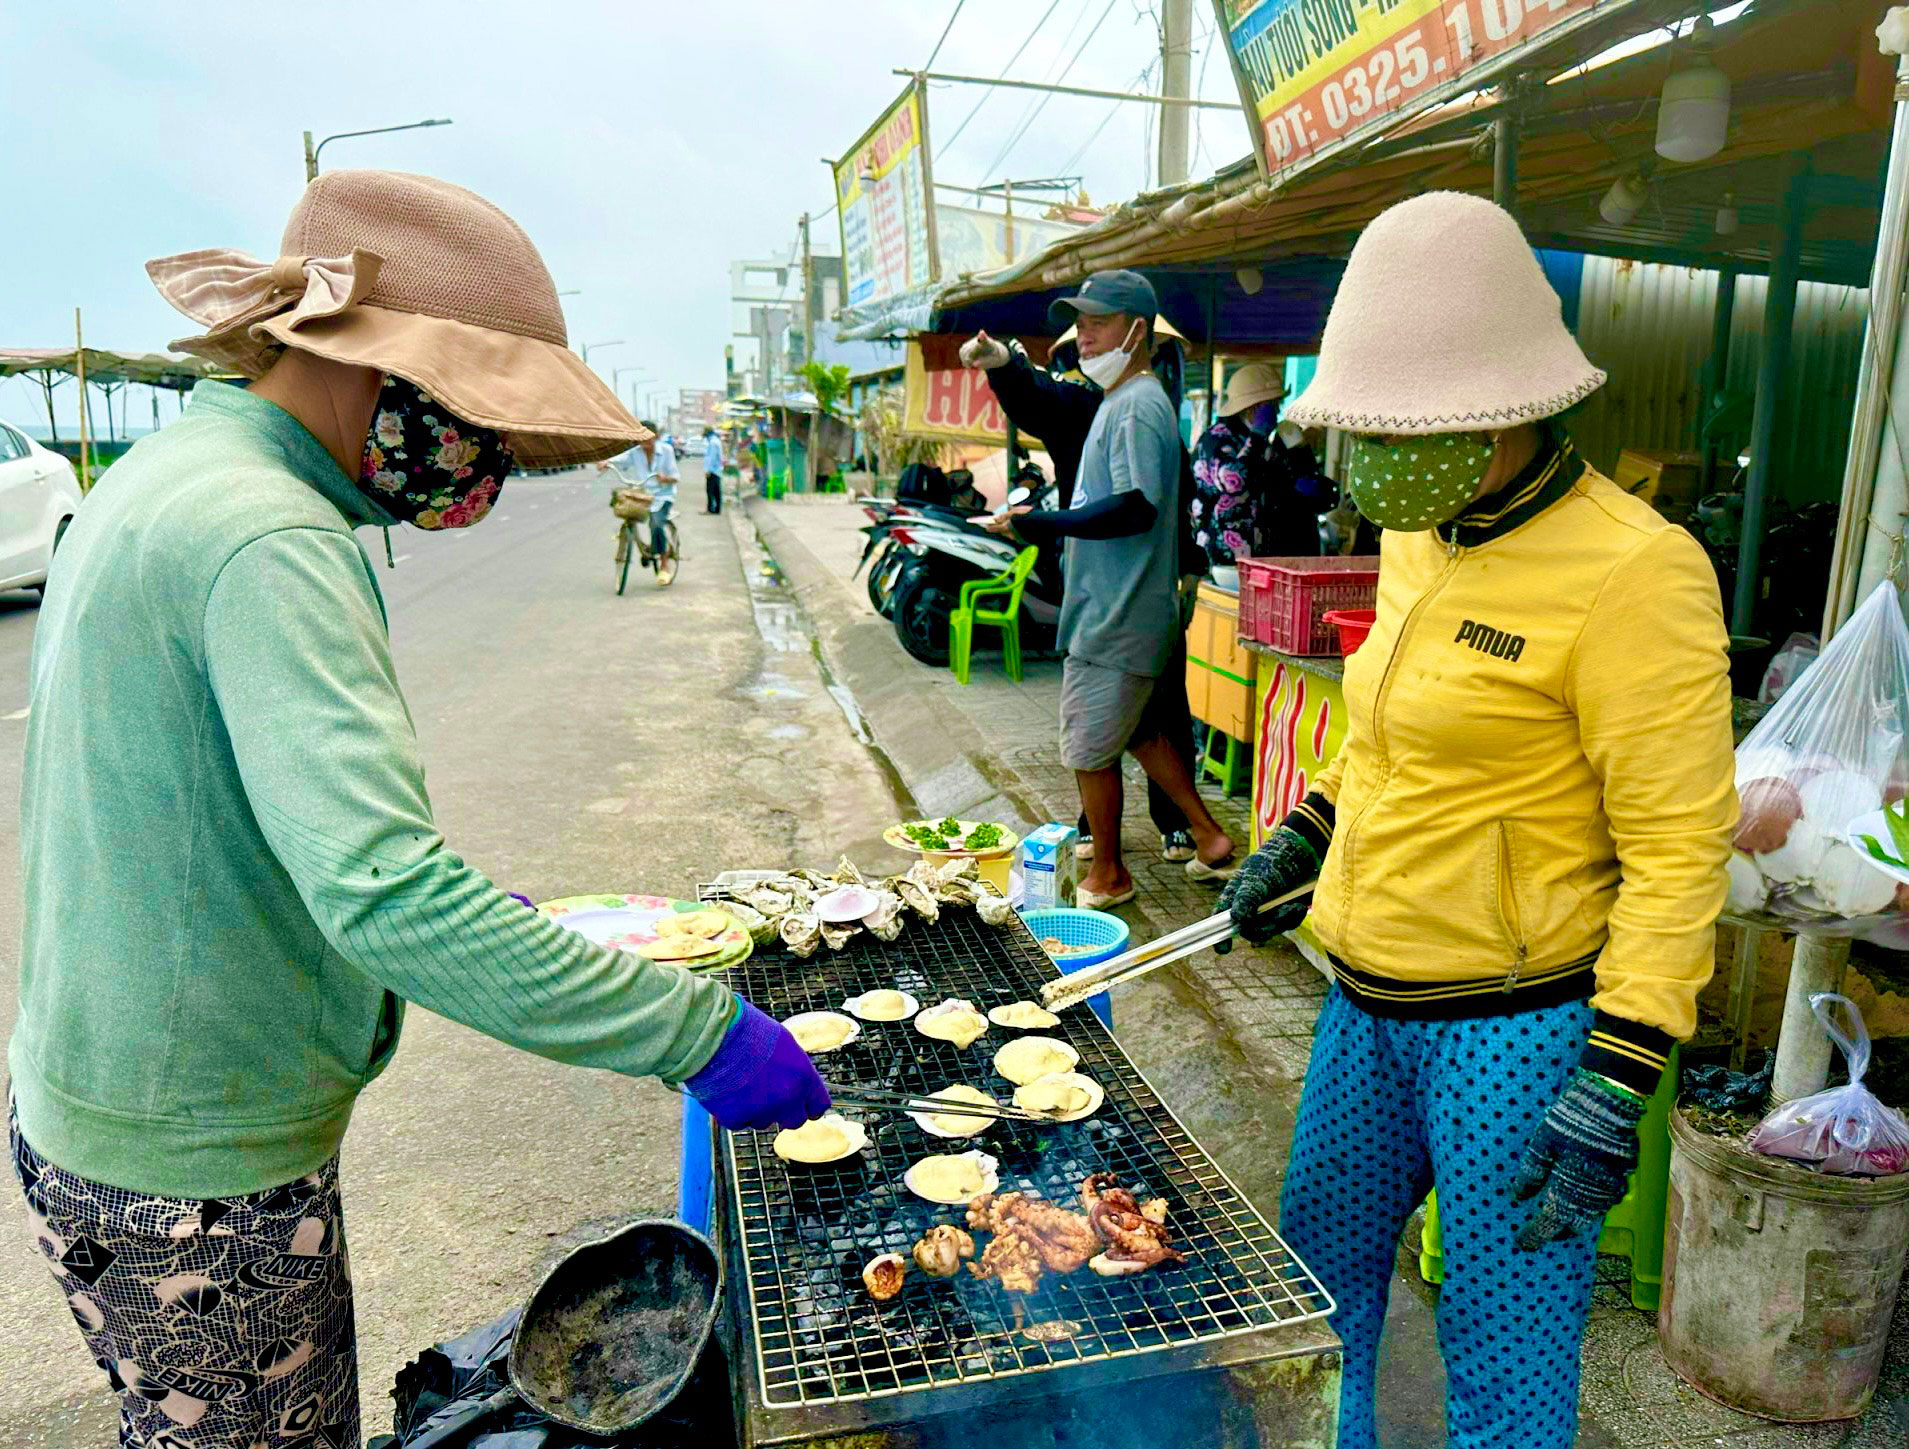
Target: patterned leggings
{"x": 1389, "y": 1108}
{"x": 223, "y": 1324}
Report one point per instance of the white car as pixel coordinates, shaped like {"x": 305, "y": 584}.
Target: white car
{"x": 39, "y": 494}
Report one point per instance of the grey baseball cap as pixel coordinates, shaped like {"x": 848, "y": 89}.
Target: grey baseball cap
{"x": 1104, "y": 293}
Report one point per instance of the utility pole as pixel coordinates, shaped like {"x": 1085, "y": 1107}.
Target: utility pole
{"x": 1176, "y": 81}
{"x": 311, "y": 159}
{"x": 808, "y": 295}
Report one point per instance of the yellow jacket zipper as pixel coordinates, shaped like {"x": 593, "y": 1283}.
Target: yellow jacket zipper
{"x": 1508, "y": 914}
{"x": 1346, "y": 835}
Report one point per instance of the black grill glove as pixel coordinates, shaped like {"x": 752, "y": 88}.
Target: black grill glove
{"x": 1580, "y": 1159}
{"x": 1285, "y": 862}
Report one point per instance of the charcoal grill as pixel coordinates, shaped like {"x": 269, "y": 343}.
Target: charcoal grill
{"x": 802, "y": 1234}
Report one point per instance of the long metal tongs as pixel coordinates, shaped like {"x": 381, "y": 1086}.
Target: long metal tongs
{"x": 1072, "y": 990}
{"x": 881, "y": 1099}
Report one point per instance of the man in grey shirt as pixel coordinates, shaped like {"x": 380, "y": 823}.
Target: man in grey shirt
{"x": 1120, "y": 620}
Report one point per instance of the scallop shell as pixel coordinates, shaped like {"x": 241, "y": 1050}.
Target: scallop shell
{"x": 1028, "y": 1059}
{"x": 968, "y": 1126}
{"x": 847, "y": 904}
{"x": 854, "y": 1007}
{"x": 794, "y": 1024}
{"x": 854, "y": 1134}
{"x": 953, "y": 1007}
{"x": 1096, "y": 1094}
{"x": 999, "y": 1016}
{"x": 990, "y": 1177}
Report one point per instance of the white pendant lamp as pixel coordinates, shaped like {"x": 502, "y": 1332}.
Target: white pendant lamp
{"x": 1727, "y": 215}
{"x": 1623, "y": 201}
{"x": 1693, "y": 119}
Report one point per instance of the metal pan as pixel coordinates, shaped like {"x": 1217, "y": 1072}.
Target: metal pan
{"x": 610, "y": 1336}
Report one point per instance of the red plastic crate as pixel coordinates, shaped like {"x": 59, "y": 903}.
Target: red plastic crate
{"x": 1284, "y": 601}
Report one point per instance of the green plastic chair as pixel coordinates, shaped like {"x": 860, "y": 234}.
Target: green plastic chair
{"x": 968, "y": 612}
{"x": 1633, "y": 1229}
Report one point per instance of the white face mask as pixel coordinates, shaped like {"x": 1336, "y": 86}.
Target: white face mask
{"x": 1104, "y": 370}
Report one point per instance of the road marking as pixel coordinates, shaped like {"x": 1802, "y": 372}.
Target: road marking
{"x": 18, "y": 713}
{"x": 503, "y": 518}
{"x": 400, "y": 558}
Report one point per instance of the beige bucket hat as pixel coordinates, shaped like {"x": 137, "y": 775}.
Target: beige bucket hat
{"x": 416, "y": 277}
{"x": 1443, "y": 323}
{"x": 1253, "y": 384}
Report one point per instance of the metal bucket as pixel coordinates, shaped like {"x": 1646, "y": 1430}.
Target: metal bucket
{"x": 1779, "y": 1282}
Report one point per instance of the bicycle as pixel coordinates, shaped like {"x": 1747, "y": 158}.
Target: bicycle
{"x": 632, "y": 505}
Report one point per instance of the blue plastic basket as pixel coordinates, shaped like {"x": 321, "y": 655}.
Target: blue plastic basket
{"x": 1072, "y": 926}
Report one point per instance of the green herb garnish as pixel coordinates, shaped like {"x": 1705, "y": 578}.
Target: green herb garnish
{"x": 984, "y": 836}
{"x": 1896, "y": 817}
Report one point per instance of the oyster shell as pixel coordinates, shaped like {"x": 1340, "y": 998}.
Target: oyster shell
{"x": 761, "y": 929}
{"x": 772, "y": 903}
{"x": 884, "y": 923}
{"x": 994, "y": 909}
{"x": 953, "y": 1020}
{"x": 956, "y": 893}
{"x": 962, "y": 867}
{"x": 918, "y": 899}
{"x": 814, "y": 881}
{"x": 847, "y": 873}
{"x": 836, "y": 936}
{"x": 802, "y": 934}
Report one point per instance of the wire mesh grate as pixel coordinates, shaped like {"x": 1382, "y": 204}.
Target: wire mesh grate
{"x": 808, "y": 1231}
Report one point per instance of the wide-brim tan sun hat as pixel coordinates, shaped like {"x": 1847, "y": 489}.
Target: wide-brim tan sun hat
{"x": 1253, "y": 384}
{"x": 1443, "y": 323}
{"x": 419, "y": 278}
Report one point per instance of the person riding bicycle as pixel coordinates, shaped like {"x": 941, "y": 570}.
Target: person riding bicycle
{"x": 655, "y": 464}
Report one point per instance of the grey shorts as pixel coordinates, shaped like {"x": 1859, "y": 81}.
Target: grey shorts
{"x": 1101, "y": 711}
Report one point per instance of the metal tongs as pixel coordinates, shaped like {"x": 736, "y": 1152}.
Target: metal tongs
{"x": 1072, "y": 990}
{"x": 881, "y": 1099}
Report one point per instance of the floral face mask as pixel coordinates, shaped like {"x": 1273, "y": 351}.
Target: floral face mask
{"x": 427, "y": 467}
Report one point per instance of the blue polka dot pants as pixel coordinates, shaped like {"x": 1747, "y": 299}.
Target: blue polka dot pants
{"x": 1392, "y": 1107}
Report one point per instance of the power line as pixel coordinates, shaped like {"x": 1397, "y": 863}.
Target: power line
{"x": 1015, "y": 139}
{"x": 1112, "y": 111}
{"x": 944, "y": 33}
{"x": 941, "y": 149}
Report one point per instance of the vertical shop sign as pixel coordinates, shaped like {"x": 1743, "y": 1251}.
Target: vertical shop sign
{"x": 884, "y": 193}
{"x": 1316, "y": 75}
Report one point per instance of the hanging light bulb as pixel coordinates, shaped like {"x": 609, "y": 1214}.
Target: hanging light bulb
{"x": 1623, "y": 201}
{"x": 1251, "y": 279}
{"x": 1727, "y": 215}
{"x": 1693, "y": 118}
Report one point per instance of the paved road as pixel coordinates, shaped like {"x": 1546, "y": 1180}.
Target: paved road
{"x": 574, "y": 741}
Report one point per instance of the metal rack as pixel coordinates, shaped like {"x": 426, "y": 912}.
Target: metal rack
{"x": 807, "y": 1232}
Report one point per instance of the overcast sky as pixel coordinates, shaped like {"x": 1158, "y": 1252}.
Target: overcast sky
{"x": 642, "y": 145}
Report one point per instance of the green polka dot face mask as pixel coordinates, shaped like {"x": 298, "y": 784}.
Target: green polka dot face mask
{"x": 1413, "y": 484}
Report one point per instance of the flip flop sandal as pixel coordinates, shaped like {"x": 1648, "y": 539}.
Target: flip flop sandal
{"x": 1094, "y": 901}
{"x": 1199, "y": 870}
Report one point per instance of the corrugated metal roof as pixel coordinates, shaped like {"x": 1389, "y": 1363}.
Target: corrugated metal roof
{"x": 1649, "y": 325}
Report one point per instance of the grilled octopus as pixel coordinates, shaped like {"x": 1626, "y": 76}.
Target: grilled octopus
{"x": 1135, "y": 1233}
{"x": 1030, "y": 1237}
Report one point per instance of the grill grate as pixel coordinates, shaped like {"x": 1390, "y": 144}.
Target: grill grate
{"x": 807, "y": 1232}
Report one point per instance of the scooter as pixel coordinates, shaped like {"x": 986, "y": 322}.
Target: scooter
{"x": 939, "y": 555}
{"x": 926, "y": 494}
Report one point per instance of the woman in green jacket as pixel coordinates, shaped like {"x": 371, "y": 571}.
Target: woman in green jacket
{"x": 233, "y": 881}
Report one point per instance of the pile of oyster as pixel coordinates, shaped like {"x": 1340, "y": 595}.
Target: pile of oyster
{"x": 784, "y": 906}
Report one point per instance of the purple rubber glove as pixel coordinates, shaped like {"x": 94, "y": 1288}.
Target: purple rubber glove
{"x": 759, "y": 1077}
{"x": 521, "y": 900}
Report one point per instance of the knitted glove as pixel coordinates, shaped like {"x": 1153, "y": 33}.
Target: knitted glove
{"x": 1580, "y": 1159}
{"x": 759, "y": 1077}
{"x": 982, "y": 350}
{"x": 1285, "y": 862}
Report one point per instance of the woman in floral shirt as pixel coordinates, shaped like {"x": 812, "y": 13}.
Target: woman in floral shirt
{"x": 1251, "y": 494}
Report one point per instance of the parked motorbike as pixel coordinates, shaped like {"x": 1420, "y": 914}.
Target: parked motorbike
{"x": 932, "y": 553}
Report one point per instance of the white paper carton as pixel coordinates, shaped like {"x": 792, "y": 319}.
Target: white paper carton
{"x": 1048, "y": 869}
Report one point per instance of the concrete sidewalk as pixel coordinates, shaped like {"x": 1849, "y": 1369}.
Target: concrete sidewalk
{"x": 1225, "y": 1038}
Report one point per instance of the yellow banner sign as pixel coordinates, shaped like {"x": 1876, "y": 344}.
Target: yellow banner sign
{"x": 1314, "y": 74}
{"x": 884, "y": 193}
{"x": 943, "y": 399}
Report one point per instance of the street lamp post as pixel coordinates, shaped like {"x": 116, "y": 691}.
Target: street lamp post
{"x": 616, "y": 381}
{"x": 311, "y": 151}
{"x": 584, "y": 348}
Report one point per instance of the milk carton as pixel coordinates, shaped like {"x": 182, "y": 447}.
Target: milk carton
{"x": 1047, "y": 866}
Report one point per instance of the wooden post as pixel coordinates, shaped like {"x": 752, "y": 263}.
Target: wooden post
{"x": 79, "y": 363}
{"x": 311, "y": 159}
{"x": 1803, "y": 1051}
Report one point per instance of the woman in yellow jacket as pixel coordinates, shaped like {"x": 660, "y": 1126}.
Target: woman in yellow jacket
{"x": 1520, "y": 848}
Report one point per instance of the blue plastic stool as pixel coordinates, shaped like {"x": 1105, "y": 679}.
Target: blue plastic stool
{"x": 1633, "y": 1229}
{"x": 696, "y": 1173}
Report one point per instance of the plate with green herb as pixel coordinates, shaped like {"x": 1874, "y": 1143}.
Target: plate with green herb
{"x": 949, "y": 836}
